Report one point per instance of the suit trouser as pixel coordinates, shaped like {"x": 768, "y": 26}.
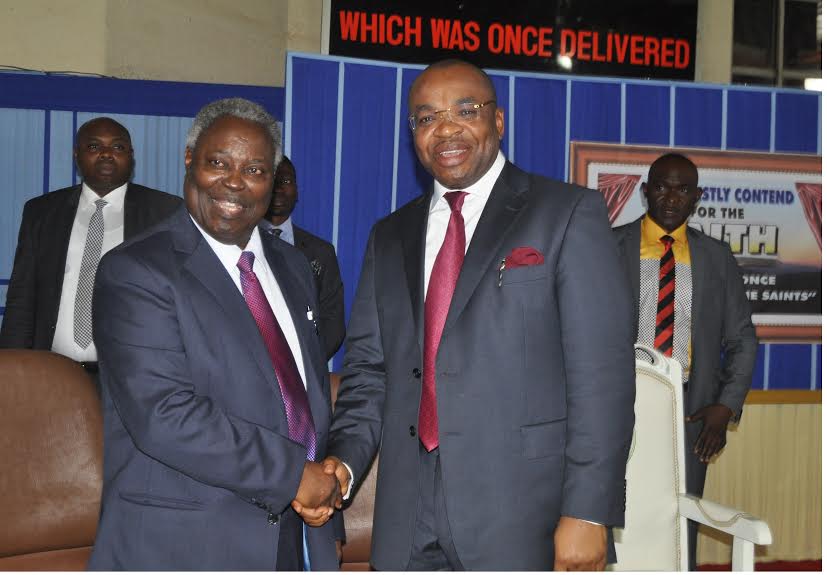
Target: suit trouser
{"x": 695, "y": 473}
{"x": 290, "y": 556}
{"x": 433, "y": 546}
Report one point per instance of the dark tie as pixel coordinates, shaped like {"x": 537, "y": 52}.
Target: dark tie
{"x": 86, "y": 277}
{"x": 665, "y": 321}
{"x": 276, "y": 232}
{"x": 299, "y": 419}
{"x": 437, "y": 301}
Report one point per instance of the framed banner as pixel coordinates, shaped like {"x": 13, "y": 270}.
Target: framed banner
{"x": 767, "y": 207}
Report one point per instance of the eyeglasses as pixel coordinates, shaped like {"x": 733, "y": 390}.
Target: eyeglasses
{"x": 462, "y": 113}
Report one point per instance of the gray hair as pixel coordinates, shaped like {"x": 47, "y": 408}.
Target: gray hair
{"x": 237, "y": 108}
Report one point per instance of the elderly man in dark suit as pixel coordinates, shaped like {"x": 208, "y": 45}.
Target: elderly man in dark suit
{"x": 215, "y": 390}
{"x": 690, "y": 303}
{"x": 320, "y": 254}
{"x": 62, "y": 236}
{"x": 490, "y": 349}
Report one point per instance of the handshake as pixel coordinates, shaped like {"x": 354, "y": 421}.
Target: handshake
{"x": 322, "y": 487}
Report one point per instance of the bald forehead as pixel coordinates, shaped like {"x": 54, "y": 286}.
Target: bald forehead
{"x": 102, "y": 124}
{"x": 663, "y": 165}
{"x": 438, "y": 72}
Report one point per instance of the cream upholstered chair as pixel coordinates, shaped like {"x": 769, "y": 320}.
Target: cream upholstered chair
{"x": 657, "y": 506}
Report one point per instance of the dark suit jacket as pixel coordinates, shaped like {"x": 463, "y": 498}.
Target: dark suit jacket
{"x": 322, "y": 258}
{"x": 722, "y": 335}
{"x": 36, "y": 283}
{"x": 196, "y": 449}
{"x": 535, "y": 377}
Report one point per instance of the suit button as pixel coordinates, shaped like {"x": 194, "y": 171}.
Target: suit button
{"x": 272, "y": 519}
{"x": 412, "y": 431}
{"x": 417, "y": 373}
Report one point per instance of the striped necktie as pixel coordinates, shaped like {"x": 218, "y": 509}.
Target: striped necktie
{"x": 665, "y": 321}
{"x": 86, "y": 277}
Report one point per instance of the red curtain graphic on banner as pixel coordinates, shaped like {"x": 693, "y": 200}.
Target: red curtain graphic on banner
{"x": 618, "y": 188}
{"x": 810, "y": 196}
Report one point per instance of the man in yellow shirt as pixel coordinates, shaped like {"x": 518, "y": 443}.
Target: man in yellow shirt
{"x": 691, "y": 306}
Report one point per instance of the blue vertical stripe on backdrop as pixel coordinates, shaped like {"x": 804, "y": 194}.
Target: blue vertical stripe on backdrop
{"x": 366, "y": 177}
{"x": 540, "y": 112}
{"x": 313, "y": 142}
{"x": 158, "y": 143}
{"x": 61, "y": 145}
{"x": 647, "y": 114}
{"x": 595, "y": 111}
{"x": 748, "y": 120}
{"x": 796, "y": 125}
{"x": 21, "y": 174}
{"x": 411, "y": 178}
{"x": 758, "y": 369}
{"x": 698, "y": 117}
{"x": 790, "y": 366}
{"x": 503, "y": 101}
{"x": 818, "y": 366}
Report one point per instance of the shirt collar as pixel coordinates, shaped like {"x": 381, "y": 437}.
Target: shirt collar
{"x": 652, "y": 232}
{"x": 286, "y": 228}
{"x": 114, "y": 199}
{"x": 229, "y": 254}
{"x": 481, "y": 188}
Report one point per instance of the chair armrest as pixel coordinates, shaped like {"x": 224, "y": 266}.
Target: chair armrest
{"x": 737, "y": 523}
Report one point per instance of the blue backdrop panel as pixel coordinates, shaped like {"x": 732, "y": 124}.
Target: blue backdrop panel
{"x": 647, "y": 114}
{"x": 595, "y": 111}
{"x": 540, "y": 124}
{"x": 540, "y": 114}
{"x": 313, "y": 150}
{"x": 366, "y": 180}
{"x": 789, "y": 366}
{"x": 698, "y": 117}
{"x": 749, "y": 118}
{"x": 61, "y": 141}
{"x": 797, "y": 123}
{"x": 22, "y": 168}
{"x": 816, "y": 378}
{"x": 411, "y": 179}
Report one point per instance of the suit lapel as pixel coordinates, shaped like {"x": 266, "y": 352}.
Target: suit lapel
{"x": 131, "y": 212}
{"x": 297, "y": 304}
{"x": 413, "y": 247}
{"x": 506, "y": 200}
{"x": 205, "y": 267}
{"x": 59, "y": 248}
{"x": 632, "y": 255}
{"x": 699, "y": 259}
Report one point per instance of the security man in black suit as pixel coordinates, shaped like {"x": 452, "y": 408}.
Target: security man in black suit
{"x": 320, "y": 254}
{"x": 62, "y": 236}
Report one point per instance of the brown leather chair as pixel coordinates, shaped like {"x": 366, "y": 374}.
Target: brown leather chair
{"x": 51, "y": 462}
{"x": 358, "y": 515}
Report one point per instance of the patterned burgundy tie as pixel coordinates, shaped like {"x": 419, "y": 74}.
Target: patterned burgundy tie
{"x": 437, "y": 301}
{"x": 299, "y": 418}
{"x": 665, "y": 321}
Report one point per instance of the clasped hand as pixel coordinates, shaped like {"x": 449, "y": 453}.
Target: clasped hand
{"x": 321, "y": 490}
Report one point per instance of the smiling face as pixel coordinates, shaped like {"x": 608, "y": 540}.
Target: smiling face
{"x": 229, "y": 179}
{"x": 672, "y": 191}
{"x": 456, "y": 154}
{"x": 103, "y": 154}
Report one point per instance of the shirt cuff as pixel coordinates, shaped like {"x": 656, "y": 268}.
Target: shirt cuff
{"x": 350, "y": 484}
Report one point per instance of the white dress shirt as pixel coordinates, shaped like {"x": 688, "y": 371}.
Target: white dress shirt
{"x": 286, "y": 228}
{"x": 440, "y": 213}
{"x": 229, "y": 256}
{"x": 64, "y": 340}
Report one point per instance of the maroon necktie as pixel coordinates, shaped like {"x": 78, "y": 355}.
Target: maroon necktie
{"x": 437, "y": 301}
{"x": 299, "y": 418}
{"x": 665, "y": 322}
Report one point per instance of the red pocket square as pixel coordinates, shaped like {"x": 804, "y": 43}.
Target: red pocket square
{"x": 523, "y": 256}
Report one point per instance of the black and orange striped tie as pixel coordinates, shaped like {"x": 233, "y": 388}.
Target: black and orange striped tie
{"x": 665, "y": 322}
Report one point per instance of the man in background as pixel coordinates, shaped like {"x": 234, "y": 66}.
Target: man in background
{"x": 320, "y": 254}
{"x": 490, "y": 349}
{"x": 691, "y": 305}
{"x": 62, "y": 236}
{"x": 215, "y": 391}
